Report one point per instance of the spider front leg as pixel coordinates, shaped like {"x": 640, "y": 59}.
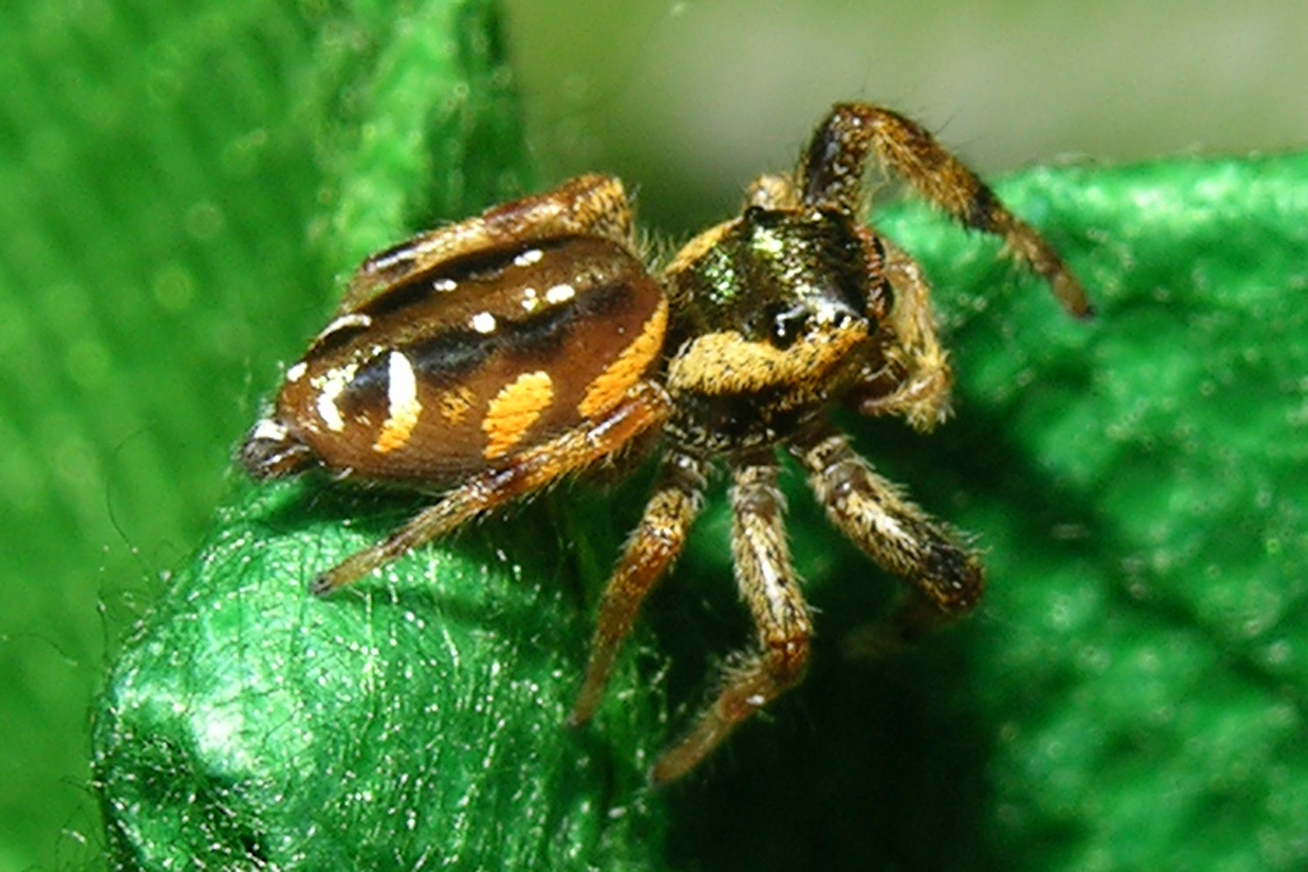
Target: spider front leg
{"x": 769, "y": 587}
{"x": 831, "y": 173}
{"x": 645, "y": 407}
{"x": 945, "y": 578}
{"x": 914, "y": 378}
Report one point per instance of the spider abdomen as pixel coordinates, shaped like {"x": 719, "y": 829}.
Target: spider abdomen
{"x": 484, "y": 357}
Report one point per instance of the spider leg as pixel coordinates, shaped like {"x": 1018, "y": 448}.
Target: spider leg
{"x": 651, "y": 550}
{"x": 914, "y": 379}
{"x": 831, "y": 173}
{"x": 945, "y": 578}
{"x": 590, "y": 205}
{"x": 773, "y": 191}
{"x": 646, "y": 406}
{"x": 769, "y": 587}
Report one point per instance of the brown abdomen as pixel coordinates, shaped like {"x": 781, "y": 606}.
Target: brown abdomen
{"x": 457, "y": 369}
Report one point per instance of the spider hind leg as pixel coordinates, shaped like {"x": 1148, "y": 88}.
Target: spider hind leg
{"x": 651, "y": 550}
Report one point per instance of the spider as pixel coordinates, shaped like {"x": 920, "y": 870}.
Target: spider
{"x": 484, "y": 361}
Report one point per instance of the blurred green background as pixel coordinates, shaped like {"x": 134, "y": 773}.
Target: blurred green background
{"x": 165, "y": 172}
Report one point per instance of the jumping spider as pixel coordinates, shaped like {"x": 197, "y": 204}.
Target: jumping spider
{"x": 484, "y": 361}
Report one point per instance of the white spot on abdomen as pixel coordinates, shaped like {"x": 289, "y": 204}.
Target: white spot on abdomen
{"x": 402, "y": 405}
{"x": 560, "y": 294}
{"x": 528, "y": 257}
{"x": 267, "y": 428}
{"x": 353, "y": 319}
{"x": 330, "y": 386}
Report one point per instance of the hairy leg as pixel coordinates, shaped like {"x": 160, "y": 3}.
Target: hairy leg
{"x": 914, "y": 379}
{"x": 591, "y": 205}
{"x": 945, "y": 578}
{"x": 645, "y": 407}
{"x": 832, "y": 172}
{"x": 654, "y": 545}
{"x": 768, "y": 585}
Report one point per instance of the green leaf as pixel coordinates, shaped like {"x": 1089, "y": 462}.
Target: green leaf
{"x": 413, "y": 722}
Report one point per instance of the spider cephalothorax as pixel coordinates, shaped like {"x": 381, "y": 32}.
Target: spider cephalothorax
{"x": 486, "y": 360}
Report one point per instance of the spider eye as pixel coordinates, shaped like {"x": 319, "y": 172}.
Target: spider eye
{"x": 785, "y": 325}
